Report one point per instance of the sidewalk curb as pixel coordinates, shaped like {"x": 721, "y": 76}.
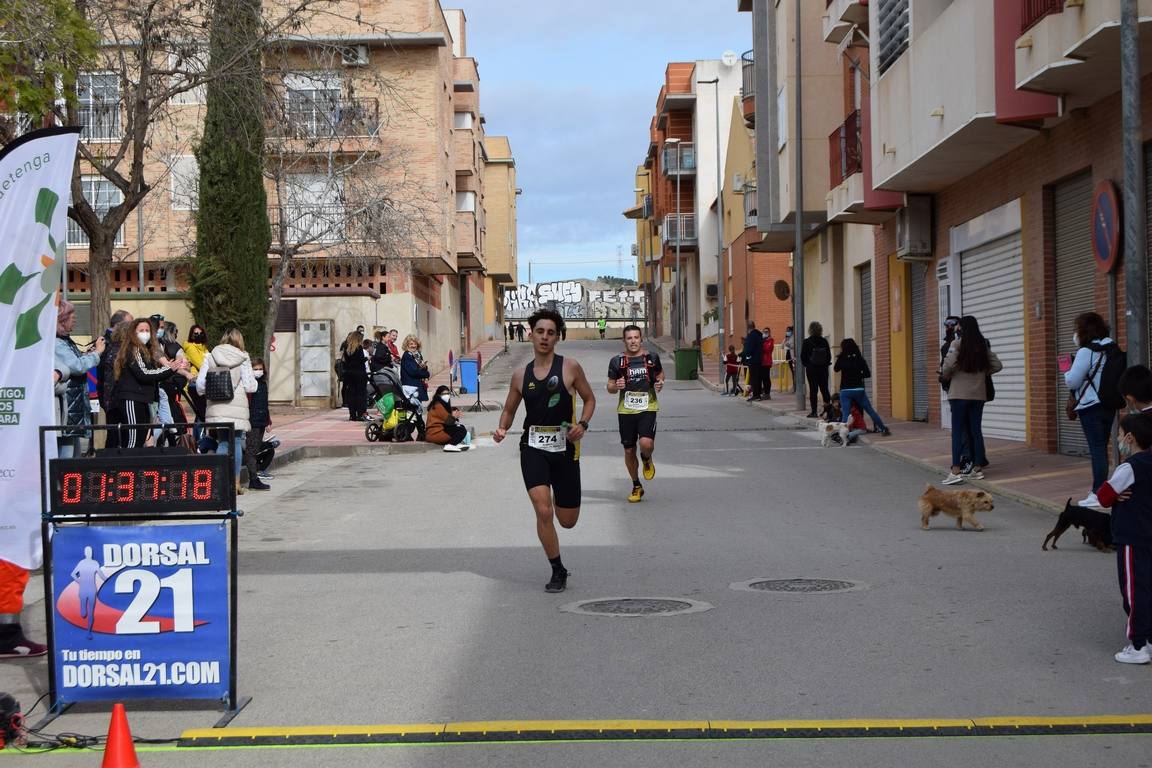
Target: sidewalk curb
{"x": 302, "y": 452}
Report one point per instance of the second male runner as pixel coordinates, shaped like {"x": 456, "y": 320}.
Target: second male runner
{"x": 637, "y": 376}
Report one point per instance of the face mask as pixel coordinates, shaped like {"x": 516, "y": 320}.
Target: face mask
{"x": 1124, "y": 447}
{"x": 144, "y": 336}
{"x": 257, "y": 373}
{"x": 788, "y": 334}
{"x": 1075, "y": 339}
{"x": 160, "y": 333}
{"x": 445, "y": 398}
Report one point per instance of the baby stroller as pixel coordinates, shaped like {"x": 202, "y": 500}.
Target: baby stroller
{"x": 398, "y": 418}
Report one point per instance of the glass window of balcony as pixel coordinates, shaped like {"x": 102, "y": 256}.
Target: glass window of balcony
{"x": 98, "y": 105}
{"x": 185, "y": 177}
{"x": 462, "y": 120}
{"x": 679, "y": 158}
{"x": 313, "y": 209}
{"x": 188, "y": 65}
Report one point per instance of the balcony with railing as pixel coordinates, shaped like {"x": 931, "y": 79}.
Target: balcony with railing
{"x": 679, "y": 229}
{"x": 844, "y": 150}
{"x": 679, "y": 159}
{"x": 748, "y": 88}
{"x": 307, "y": 224}
{"x": 1073, "y": 49}
{"x": 307, "y": 123}
{"x": 99, "y": 121}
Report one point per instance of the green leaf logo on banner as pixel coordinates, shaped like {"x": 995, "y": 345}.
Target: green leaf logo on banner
{"x": 28, "y": 325}
{"x": 11, "y": 280}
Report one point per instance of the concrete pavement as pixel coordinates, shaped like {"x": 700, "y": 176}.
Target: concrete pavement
{"x": 408, "y": 589}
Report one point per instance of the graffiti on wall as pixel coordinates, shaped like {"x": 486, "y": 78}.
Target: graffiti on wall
{"x": 575, "y": 301}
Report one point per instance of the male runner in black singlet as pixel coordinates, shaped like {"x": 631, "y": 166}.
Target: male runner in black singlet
{"x": 549, "y": 448}
{"x": 637, "y": 375}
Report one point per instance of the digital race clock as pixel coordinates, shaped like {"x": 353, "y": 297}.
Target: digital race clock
{"x": 141, "y": 484}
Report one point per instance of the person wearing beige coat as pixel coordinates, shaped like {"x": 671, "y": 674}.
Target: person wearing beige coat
{"x": 229, "y": 354}
{"x": 967, "y": 367}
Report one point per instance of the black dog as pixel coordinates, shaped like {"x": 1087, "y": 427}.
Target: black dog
{"x": 1096, "y": 526}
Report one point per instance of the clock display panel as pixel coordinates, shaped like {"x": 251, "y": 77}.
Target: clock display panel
{"x": 140, "y": 484}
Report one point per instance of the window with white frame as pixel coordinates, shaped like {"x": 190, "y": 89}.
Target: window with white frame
{"x": 312, "y": 103}
{"x": 313, "y": 209}
{"x": 462, "y": 120}
{"x": 98, "y": 104}
{"x": 189, "y": 64}
{"x": 466, "y": 202}
{"x": 184, "y": 174}
{"x": 102, "y": 195}
{"x": 781, "y": 118}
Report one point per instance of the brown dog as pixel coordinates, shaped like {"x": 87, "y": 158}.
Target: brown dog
{"x": 1096, "y": 527}
{"x": 958, "y": 504}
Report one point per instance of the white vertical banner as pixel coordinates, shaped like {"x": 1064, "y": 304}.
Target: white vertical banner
{"x": 35, "y": 179}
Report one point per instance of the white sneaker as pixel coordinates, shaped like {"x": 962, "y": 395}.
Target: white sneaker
{"x": 1090, "y": 501}
{"x": 1132, "y": 656}
{"x": 453, "y": 448}
{"x": 952, "y": 479}
{"x": 975, "y": 474}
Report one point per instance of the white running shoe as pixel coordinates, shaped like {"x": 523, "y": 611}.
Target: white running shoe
{"x": 1132, "y": 656}
{"x": 953, "y": 479}
{"x": 1090, "y": 501}
{"x": 453, "y": 448}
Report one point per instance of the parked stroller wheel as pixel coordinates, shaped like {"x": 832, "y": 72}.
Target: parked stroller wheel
{"x": 372, "y": 432}
{"x": 402, "y": 432}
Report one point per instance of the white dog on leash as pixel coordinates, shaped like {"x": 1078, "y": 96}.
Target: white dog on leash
{"x": 829, "y": 428}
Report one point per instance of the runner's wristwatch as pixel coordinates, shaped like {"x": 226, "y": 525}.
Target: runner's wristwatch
{"x": 583, "y": 424}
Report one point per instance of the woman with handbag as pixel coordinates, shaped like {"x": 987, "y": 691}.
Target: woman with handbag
{"x": 444, "y": 427}
{"x": 139, "y": 368}
{"x": 1083, "y": 379}
{"x": 226, "y": 380}
{"x": 967, "y": 369}
{"x": 816, "y": 358}
{"x": 414, "y": 371}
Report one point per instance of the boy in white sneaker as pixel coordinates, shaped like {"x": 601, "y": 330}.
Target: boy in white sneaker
{"x": 1129, "y": 493}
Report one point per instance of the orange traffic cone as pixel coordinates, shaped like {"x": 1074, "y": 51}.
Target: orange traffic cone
{"x": 119, "y": 752}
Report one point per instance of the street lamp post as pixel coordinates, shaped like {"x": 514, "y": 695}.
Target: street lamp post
{"x": 720, "y": 276}
{"x": 679, "y": 235}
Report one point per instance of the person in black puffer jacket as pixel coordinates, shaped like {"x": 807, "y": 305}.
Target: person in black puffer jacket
{"x": 853, "y": 369}
{"x": 259, "y": 416}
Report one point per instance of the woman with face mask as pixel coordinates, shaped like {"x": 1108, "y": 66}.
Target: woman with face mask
{"x": 1093, "y": 345}
{"x": 444, "y": 427}
{"x": 195, "y": 349}
{"x": 139, "y": 368}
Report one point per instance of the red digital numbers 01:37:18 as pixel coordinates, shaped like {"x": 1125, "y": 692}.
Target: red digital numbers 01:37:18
{"x": 133, "y": 486}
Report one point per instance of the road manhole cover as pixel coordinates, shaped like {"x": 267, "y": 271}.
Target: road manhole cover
{"x": 636, "y": 606}
{"x": 799, "y": 586}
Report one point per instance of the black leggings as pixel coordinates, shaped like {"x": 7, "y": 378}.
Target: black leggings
{"x": 817, "y": 377}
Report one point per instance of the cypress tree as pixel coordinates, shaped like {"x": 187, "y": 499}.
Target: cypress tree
{"x": 229, "y": 281}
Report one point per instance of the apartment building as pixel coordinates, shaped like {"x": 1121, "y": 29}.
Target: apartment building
{"x": 678, "y": 198}
{"x": 501, "y": 244}
{"x": 376, "y": 185}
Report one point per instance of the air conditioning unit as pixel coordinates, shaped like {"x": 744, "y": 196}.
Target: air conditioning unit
{"x": 712, "y": 291}
{"x": 737, "y": 183}
{"x": 354, "y": 55}
{"x": 914, "y": 229}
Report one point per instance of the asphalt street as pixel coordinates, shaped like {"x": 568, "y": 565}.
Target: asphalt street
{"x": 409, "y": 589}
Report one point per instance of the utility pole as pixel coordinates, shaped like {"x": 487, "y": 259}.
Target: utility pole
{"x": 719, "y": 235}
{"x": 798, "y": 227}
{"x": 1135, "y": 234}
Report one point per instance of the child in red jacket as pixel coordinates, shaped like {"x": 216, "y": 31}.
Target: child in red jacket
{"x": 732, "y": 373}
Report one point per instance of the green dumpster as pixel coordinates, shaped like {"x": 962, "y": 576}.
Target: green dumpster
{"x": 686, "y": 364}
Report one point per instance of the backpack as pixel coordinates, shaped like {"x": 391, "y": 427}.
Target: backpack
{"x": 1115, "y": 363}
{"x": 647, "y": 364}
{"x": 820, "y": 356}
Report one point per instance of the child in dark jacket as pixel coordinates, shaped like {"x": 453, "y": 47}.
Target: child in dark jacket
{"x": 1132, "y": 533}
{"x": 732, "y": 373}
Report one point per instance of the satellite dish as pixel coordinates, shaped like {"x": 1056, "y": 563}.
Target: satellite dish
{"x": 728, "y": 58}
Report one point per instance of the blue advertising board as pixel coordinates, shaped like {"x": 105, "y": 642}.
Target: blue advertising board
{"x": 140, "y": 612}
{"x": 469, "y": 374}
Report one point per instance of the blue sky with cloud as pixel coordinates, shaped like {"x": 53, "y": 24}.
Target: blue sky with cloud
{"x": 573, "y": 87}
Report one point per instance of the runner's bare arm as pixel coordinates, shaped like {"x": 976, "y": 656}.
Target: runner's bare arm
{"x": 584, "y": 389}
{"x": 508, "y": 415}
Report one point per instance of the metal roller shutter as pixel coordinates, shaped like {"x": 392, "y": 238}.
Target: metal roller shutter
{"x": 920, "y": 373}
{"x": 865, "y": 287}
{"x": 1075, "y": 275}
{"x": 992, "y": 290}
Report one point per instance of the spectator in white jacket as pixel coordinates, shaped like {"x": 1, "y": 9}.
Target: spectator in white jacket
{"x": 229, "y": 355}
{"x": 1083, "y": 381}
